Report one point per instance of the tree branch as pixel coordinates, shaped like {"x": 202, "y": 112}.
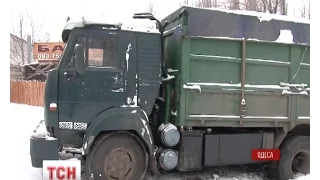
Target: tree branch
{"x": 26, "y": 25}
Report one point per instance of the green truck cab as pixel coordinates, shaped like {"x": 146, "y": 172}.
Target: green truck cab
{"x": 204, "y": 91}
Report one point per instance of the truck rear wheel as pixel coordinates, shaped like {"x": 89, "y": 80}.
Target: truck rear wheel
{"x": 117, "y": 157}
{"x": 295, "y": 157}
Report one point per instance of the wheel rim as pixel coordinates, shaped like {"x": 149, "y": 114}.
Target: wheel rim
{"x": 301, "y": 163}
{"x": 119, "y": 164}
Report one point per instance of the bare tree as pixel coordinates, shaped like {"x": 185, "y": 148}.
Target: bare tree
{"x": 206, "y": 3}
{"x": 151, "y": 8}
{"x": 270, "y": 6}
{"x": 309, "y": 10}
{"x": 46, "y": 37}
{"x": 251, "y": 5}
{"x": 27, "y": 24}
{"x": 284, "y": 7}
{"x": 18, "y": 43}
{"x": 304, "y": 11}
{"x": 184, "y": 3}
{"x": 223, "y": 4}
{"x": 234, "y": 4}
{"x": 36, "y": 27}
{"x": 17, "y": 50}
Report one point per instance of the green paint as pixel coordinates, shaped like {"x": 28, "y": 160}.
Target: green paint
{"x": 168, "y": 103}
{"x": 213, "y": 60}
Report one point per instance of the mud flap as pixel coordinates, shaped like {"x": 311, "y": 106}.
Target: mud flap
{"x": 42, "y": 146}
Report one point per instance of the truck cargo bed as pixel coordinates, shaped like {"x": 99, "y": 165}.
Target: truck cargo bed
{"x": 236, "y": 82}
{"x": 237, "y": 24}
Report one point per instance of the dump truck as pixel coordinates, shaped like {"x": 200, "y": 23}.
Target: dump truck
{"x": 209, "y": 88}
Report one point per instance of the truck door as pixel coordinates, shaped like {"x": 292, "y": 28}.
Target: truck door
{"x": 100, "y": 87}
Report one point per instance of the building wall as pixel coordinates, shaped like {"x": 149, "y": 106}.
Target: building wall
{"x": 18, "y": 51}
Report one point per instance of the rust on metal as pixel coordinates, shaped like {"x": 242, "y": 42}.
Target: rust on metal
{"x": 119, "y": 165}
{"x": 243, "y": 78}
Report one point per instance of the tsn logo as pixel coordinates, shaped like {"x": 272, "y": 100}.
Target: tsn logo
{"x": 61, "y": 170}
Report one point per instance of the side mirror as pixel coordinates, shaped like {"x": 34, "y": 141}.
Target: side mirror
{"x": 143, "y": 16}
{"x": 79, "y": 58}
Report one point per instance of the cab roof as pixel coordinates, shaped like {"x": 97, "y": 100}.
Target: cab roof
{"x": 101, "y": 23}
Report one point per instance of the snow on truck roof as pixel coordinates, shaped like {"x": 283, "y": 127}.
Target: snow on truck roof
{"x": 145, "y": 25}
{"x": 260, "y": 15}
{"x": 240, "y": 24}
{"x": 300, "y": 34}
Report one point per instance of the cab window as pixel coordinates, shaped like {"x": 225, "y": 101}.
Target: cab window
{"x": 101, "y": 52}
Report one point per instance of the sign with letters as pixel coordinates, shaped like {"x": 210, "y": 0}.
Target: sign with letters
{"x": 50, "y": 51}
{"x": 61, "y": 170}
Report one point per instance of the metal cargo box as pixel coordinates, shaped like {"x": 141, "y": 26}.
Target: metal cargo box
{"x": 237, "y": 82}
{"x": 236, "y": 24}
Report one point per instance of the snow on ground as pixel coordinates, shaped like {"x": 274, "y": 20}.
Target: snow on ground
{"x": 26, "y": 118}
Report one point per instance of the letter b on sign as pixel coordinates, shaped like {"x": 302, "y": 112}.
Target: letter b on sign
{"x": 61, "y": 170}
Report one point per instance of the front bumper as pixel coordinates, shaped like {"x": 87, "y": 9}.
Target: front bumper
{"x": 42, "y": 146}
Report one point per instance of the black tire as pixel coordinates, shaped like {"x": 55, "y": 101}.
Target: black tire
{"x": 291, "y": 150}
{"x": 115, "y": 154}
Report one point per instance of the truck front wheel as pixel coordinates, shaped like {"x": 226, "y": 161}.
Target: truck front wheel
{"x": 295, "y": 157}
{"x": 117, "y": 156}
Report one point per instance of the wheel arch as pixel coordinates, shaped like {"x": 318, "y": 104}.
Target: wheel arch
{"x": 132, "y": 120}
{"x": 301, "y": 129}
{"x": 105, "y": 135}
{"x": 132, "y": 133}
{"x": 298, "y": 130}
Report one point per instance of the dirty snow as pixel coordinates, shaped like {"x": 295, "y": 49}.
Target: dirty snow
{"x": 129, "y": 101}
{"x": 174, "y": 113}
{"x": 285, "y": 37}
{"x": 235, "y": 117}
{"x": 239, "y": 85}
{"x": 129, "y": 24}
{"x": 170, "y": 70}
{"x": 135, "y": 100}
{"x": 194, "y": 87}
{"x": 128, "y": 55}
{"x": 28, "y": 118}
{"x": 304, "y": 117}
{"x": 168, "y": 78}
{"x": 295, "y": 93}
{"x": 146, "y": 127}
{"x": 117, "y": 90}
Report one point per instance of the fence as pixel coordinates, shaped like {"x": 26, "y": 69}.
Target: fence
{"x": 15, "y": 72}
{"x": 27, "y": 92}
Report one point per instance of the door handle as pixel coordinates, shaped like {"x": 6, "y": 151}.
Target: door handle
{"x": 116, "y": 89}
{"x": 69, "y": 76}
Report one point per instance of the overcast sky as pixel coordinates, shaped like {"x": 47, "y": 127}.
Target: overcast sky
{"x": 54, "y": 12}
